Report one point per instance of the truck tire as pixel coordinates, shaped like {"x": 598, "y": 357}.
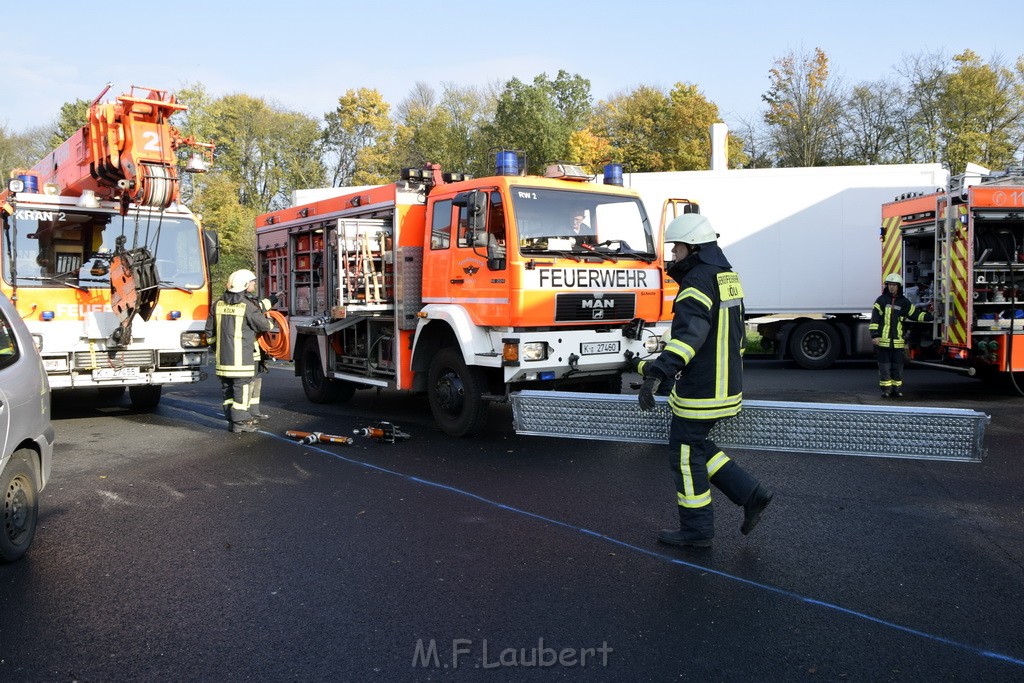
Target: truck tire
{"x": 814, "y": 345}
{"x": 145, "y": 396}
{"x": 19, "y": 484}
{"x": 317, "y": 387}
{"x": 455, "y": 392}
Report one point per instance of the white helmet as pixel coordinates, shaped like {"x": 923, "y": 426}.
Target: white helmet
{"x": 690, "y": 228}
{"x": 239, "y": 280}
{"x": 894, "y": 277}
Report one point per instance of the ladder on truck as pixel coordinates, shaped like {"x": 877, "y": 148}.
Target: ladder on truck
{"x": 952, "y": 286}
{"x": 365, "y": 267}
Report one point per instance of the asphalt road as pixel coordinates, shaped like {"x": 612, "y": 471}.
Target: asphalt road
{"x": 170, "y": 549}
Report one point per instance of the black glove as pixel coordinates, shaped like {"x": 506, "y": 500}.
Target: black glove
{"x": 634, "y": 361}
{"x": 647, "y": 391}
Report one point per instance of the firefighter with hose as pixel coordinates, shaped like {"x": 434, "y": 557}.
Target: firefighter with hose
{"x": 234, "y": 321}
{"x": 704, "y": 356}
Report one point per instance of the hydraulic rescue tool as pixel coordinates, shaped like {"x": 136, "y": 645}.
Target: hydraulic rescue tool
{"x": 384, "y": 431}
{"x": 319, "y": 437}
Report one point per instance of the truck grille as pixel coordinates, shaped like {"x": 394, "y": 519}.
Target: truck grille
{"x": 85, "y": 360}
{"x": 603, "y": 306}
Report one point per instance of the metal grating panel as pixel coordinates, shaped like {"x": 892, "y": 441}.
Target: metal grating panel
{"x": 409, "y": 298}
{"x": 878, "y": 431}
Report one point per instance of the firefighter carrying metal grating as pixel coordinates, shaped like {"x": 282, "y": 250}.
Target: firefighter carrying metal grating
{"x": 704, "y": 356}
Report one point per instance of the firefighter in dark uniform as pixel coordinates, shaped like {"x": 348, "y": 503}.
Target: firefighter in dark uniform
{"x": 261, "y": 358}
{"x": 704, "y": 355}
{"x": 886, "y": 328}
{"x": 232, "y": 326}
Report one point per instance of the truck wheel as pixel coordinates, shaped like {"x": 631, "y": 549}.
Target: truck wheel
{"x": 456, "y": 394}
{"x": 20, "y": 486}
{"x": 814, "y": 345}
{"x": 145, "y": 396}
{"x": 317, "y": 387}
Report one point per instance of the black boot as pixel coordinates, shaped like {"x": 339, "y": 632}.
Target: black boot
{"x": 753, "y": 508}
{"x": 258, "y": 414}
{"x": 244, "y": 427}
{"x": 684, "y": 538}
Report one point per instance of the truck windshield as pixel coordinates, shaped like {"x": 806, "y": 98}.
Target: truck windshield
{"x": 61, "y": 247}
{"x": 553, "y": 221}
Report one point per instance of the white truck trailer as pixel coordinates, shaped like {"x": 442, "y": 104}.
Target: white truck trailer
{"x": 806, "y": 242}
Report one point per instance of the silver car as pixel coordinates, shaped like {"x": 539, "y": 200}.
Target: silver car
{"x": 25, "y": 431}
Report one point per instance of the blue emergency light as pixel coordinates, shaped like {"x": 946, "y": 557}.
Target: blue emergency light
{"x": 506, "y": 163}
{"x": 613, "y": 174}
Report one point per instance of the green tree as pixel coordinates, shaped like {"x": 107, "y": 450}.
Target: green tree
{"x": 918, "y": 128}
{"x": 804, "y": 106}
{"x": 446, "y": 130}
{"x": 266, "y": 150}
{"x": 73, "y": 115}
{"x": 636, "y": 124}
{"x": 361, "y": 120}
{"x": 688, "y": 131}
{"x": 539, "y": 118}
{"x": 21, "y": 150}
{"x": 870, "y": 123}
{"x": 981, "y": 111}
{"x": 217, "y": 202}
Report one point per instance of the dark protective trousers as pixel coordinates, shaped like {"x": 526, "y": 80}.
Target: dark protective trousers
{"x": 235, "y": 391}
{"x": 890, "y": 367}
{"x": 696, "y": 463}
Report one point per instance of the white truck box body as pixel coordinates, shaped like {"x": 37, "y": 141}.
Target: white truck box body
{"x": 804, "y": 240}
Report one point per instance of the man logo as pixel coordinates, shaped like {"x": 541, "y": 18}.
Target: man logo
{"x": 598, "y": 313}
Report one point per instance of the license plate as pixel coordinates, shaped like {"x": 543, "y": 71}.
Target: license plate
{"x": 596, "y": 348}
{"x": 115, "y": 373}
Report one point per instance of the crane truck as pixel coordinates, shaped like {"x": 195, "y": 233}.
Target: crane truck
{"x": 108, "y": 269}
{"x": 465, "y": 288}
{"x": 804, "y": 240}
{"x": 960, "y": 249}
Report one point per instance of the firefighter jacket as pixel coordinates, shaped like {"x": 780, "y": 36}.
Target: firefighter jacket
{"x": 887, "y": 316}
{"x": 265, "y": 305}
{"x": 705, "y": 351}
{"x": 232, "y": 326}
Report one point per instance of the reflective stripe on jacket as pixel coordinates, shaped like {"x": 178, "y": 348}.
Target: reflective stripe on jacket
{"x": 232, "y": 326}
{"x": 707, "y": 339}
{"x": 887, "y": 316}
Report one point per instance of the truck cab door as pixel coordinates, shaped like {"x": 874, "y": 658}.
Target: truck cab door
{"x": 671, "y": 209}
{"x": 468, "y": 258}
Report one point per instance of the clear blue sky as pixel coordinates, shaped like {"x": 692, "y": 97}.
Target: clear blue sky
{"x": 303, "y": 54}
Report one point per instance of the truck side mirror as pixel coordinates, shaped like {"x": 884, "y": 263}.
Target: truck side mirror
{"x": 212, "y": 247}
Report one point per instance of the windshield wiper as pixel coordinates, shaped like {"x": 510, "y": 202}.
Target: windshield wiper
{"x": 593, "y": 250}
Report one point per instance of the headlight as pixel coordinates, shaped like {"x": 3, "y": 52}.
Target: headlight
{"x": 194, "y": 340}
{"x": 653, "y": 344}
{"x": 535, "y": 351}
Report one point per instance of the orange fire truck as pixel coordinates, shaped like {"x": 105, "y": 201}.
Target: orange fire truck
{"x": 961, "y": 249}
{"x": 108, "y": 270}
{"x": 465, "y": 289}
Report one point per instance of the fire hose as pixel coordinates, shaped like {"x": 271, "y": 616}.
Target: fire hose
{"x": 277, "y": 342}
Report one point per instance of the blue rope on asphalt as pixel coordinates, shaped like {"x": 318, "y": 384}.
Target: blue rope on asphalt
{"x": 725, "y": 575}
